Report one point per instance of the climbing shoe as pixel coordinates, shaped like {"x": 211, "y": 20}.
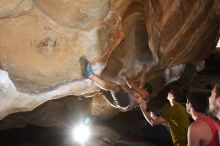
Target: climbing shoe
{"x": 86, "y": 67}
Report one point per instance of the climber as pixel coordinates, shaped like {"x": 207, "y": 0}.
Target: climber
{"x": 114, "y": 93}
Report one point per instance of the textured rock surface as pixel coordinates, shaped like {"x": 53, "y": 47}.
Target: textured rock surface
{"x": 42, "y": 56}
{"x": 13, "y": 8}
{"x": 82, "y": 14}
{"x": 177, "y": 30}
{"x": 41, "y": 43}
{"x": 217, "y": 7}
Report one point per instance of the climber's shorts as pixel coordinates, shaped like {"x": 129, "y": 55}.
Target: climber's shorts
{"x": 120, "y": 99}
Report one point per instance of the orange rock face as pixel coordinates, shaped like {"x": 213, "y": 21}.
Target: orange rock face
{"x": 41, "y": 43}
{"x": 181, "y": 31}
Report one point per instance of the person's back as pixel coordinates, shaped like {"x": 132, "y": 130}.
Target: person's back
{"x": 178, "y": 122}
{"x": 174, "y": 116}
{"x": 210, "y": 129}
{"x": 204, "y": 130}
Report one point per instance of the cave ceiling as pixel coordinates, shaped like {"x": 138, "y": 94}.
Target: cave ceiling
{"x": 41, "y": 43}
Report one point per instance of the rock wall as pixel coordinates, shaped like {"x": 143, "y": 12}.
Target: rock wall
{"x": 41, "y": 43}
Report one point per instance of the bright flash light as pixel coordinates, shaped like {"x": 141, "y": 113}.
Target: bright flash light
{"x": 81, "y": 133}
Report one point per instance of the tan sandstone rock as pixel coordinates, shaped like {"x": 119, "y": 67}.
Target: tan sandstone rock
{"x": 41, "y": 43}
